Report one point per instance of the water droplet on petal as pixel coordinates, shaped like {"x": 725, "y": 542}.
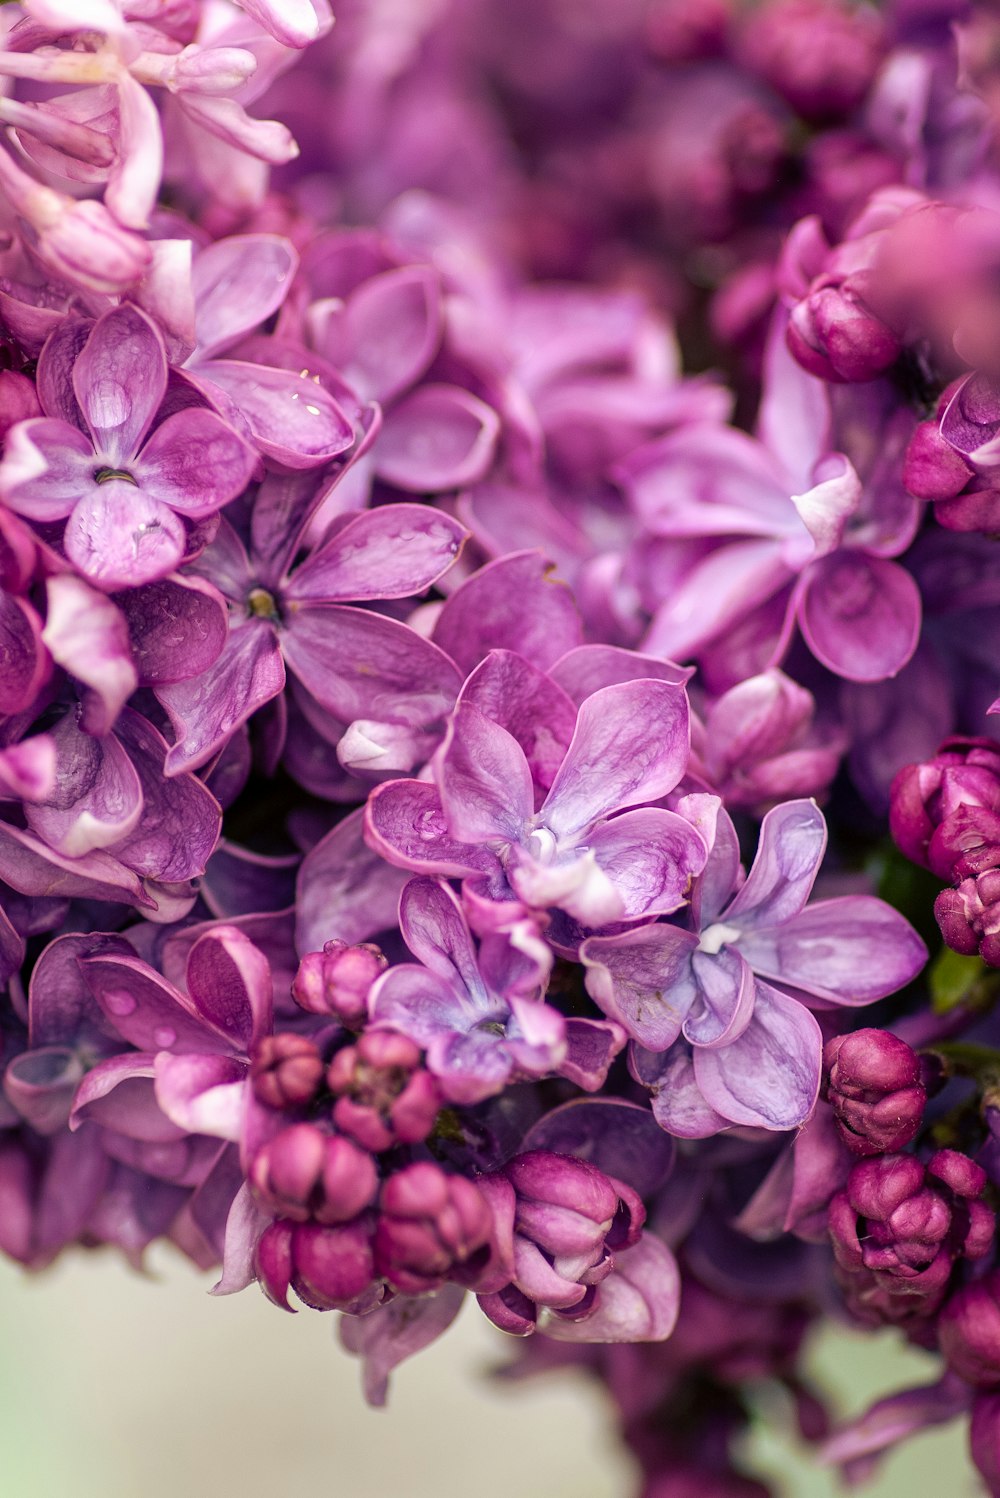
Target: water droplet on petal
{"x": 164, "y": 1036}
{"x": 120, "y": 1002}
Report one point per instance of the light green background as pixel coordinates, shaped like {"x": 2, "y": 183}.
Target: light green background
{"x": 119, "y": 1386}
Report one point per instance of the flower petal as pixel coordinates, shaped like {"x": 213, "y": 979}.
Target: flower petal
{"x": 207, "y": 709}
{"x": 405, "y": 822}
{"x": 860, "y": 615}
{"x": 769, "y": 1077}
{"x": 392, "y": 328}
{"x": 392, "y": 552}
{"x": 644, "y": 980}
{"x": 291, "y": 417}
{"x": 119, "y": 380}
{"x": 514, "y": 604}
{"x": 651, "y": 857}
{"x": 46, "y": 465}
{"x": 195, "y": 463}
{"x": 238, "y": 283}
{"x": 439, "y": 437}
{"x": 484, "y": 780}
{"x": 638, "y": 1302}
{"x": 97, "y": 799}
{"x": 344, "y": 889}
{"x": 119, "y": 536}
{"x": 88, "y": 636}
{"x": 148, "y": 1012}
{"x": 229, "y": 981}
{"x": 789, "y": 853}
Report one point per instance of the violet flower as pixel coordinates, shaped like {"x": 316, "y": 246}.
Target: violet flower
{"x": 99, "y": 457}
{"x": 734, "y": 988}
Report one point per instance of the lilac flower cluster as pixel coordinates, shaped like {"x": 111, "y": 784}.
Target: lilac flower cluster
{"x": 448, "y": 743}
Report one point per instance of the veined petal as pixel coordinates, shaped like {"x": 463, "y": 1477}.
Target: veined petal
{"x": 195, "y": 463}
{"x": 148, "y": 1012}
{"x": 644, "y": 980}
{"x": 97, "y": 799}
{"x": 484, "y": 780}
{"x": 515, "y": 603}
{"x": 769, "y": 1077}
{"x": 434, "y": 928}
{"x": 679, "y": 1105}
{"x": 789, "y": 853}
{"x": 120, "y": 379}
{"x": 46, "y": 466}
{"x": 119, "y": 536}
{"x": 208, "y": 708}
{"x": 201, "y": 1094}
{"x": 291, "y": 417}
{"x": 238, "y": 283}
{"x": 229, "y": 980}
{"x": 180, "y": 821}
{"x": 177, "y": 628}
{"x": 651, "y": 857}
{"x": 392, "y": 552}
{"x": 724, "y": 1006}
{"x": 631, "y": 745}
{"x": 405, "y": 823}
{"x": 860, "y": 615}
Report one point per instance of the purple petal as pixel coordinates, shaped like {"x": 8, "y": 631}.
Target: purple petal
{"x": 720, "y": 875}
{"x": 392, "y": 328}
{"x": 769, "y": 1077}
{"x": 631, "y": 745}
{"x": 860, "y": 615}
{"x": 195, "y": 463}
{"x": 851, "y": 950}
{"x": 238, "y": 880}
{"x": 513, "y": 604}
{"x": 32, "y": 868}
{"x": 229, "y": 981}
{"x": 177, "y": 628}
{"x": 46, "y": 465}
{"x": 238, "y": 283}
{"x": 291, "y": 418}
{"x": 789, "y": 853}
{"x": 207, "y": 709}
{"x": 363, "y": 665}
{"x": 26, "y": 665}
{"x": 61, "y": 1008}
{"x": 180, "y": 820}
{"x": 392, "y": 552}
{"x": 716, "y": 593}
{"x": 12, "y": 948}
{"x": 643, "y": 979}
{"x": 97, "y": 800}
{"x": 55, "y": 369}
{"x": 484, "y": 780}
{"x": 679, "y": 1106}
{"x": 405, "y": 822}
{"x": 583, "y": 671}
{"x": 119, "y": 380}
{"x": 392, "y": 1333}
{"x": 638, "y": 1302}
{"x": 439, "y": 437}
{"x": 725, "y": 1000}
{"x": 617, "y": 1137}
{"x": 422, "y": 1004}
{"x": 650, "y": 856}
{"x": 119, "y": 536}
{"x": 148, "y": 1012}
{"x": 527, "y": 703}
{"x": 201, "y": 1094}
{"x": 40, "y": 1084}
{"x": 434, "y": 928}
{"x": 118, "y": 1094}
{"x": 344, "y": 889}
{"x": 470, "y": 1067}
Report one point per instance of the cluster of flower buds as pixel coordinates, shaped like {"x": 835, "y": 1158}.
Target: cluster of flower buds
{"x": 873, "y": 1083}
{"x": 950, "y": 457}
{"x": 945, "y": 815}
{"x": 336, "y": 981}
{"x": 899, "y": 1228}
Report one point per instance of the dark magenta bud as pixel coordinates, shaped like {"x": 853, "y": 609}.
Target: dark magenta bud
{"x": 432, "y": 1227}
{"x": 687, "y": 30}
{"x": 932, "y": 469}
{"x": 874, "y": 1086}
{"x": 945, "y": 813}
{"x": 969, "y": 1331}
{"x": 835, "y": 336}
{"x": 303, "y": 1173}
{"x": 820, "y": 55}
{"x": 384, "y": 1095}
{"x": 329, "y": 1268}
{"x": 286, "y": 1070}
{"x": 337, "y": 981}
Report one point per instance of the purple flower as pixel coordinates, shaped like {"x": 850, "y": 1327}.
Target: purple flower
{"x": 734, "y": 988}
{"x": 100, "y": 458}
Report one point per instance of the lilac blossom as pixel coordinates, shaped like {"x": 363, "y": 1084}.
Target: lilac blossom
{"x": 124, "y": 481}
{"x": 734, "y": 987}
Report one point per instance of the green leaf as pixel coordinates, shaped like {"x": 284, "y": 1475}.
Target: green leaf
{"x": 955, "y": 979}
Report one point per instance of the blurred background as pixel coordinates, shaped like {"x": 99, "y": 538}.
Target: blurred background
{"x": 116, "y": 1385}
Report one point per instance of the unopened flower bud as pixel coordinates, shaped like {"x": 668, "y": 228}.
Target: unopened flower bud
{"x": 304, "y": 1173}
{"x": 384, "y": 1095}
{"x": 337, "y": 981}
{"x": 945, "y": 813}
{"x": 820, "y": 55}
{"x": 286, "y": 1070}
{"x": 874, "y": 1086}
{"x": 969, "y": 1331}
{"x": 836, "y": 337}
{"x": 329, "y": 1268}
{"x": 431, "y": 1227}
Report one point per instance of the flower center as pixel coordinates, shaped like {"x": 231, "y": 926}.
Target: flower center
{"x": 105, "y": 475}
{"x": 718, "y": 936}
{"x": 262, "y": 605}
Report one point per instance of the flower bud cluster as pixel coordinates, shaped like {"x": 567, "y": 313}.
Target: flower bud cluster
{"x": 945, "y": 815}
{"x": 873, "y": 1083}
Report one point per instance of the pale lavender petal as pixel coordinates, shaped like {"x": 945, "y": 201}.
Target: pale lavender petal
{"x": 638, "y": 1302}
{"x": 392, "y": 326}
{"x": 679, "y": 1106}
{"x": 97, "y": 800}
{"x": 643, "y": 979}
{"x": 725, "y": 1002}
{"x": 631, "y": 745}
{"x": 470, "y": 1067}
{"x": 852, "y": 950}
{"x": 88, "y": 636}
{"x": 617, "y": 1137}
{"x": 392, "y": 552}
{"x": 405, "y": 822}
{"x": 344, "y": 889}
{"x": 147, "y": 1011}
{"x": 439, "y": 437}
{"x": 826, "y": 508}
{"x": 484, "y": 780}
{"x": 769, "y": 1077}
{"x": 245, "y": 1223}
{"x": 291, "y": 417}
{"x": 296, "y": 23}
{"x": 46, "y": 465}
{"x": 207, "y": 709}
{"x": 576, "y": 884}
{"x": 651, "y": 857}
{"x": 434, "y": 928}
{"x": 528, "y": 704}
{"x": 119, "y": 536}
{"x": 119, "y": 380}
{"x": 392, "y": 1333}
{"x": 364, "y": 665}
{"x": 789, "y": 853}
{"x": 134, "y": 180}
{"x": 26, "y": 665}
{"x": 514, "y": 604}
{"x": 238, "y": 283}
{"x": 421, "y": 1003}
{"x": 583, "y": 671}
{"x": 177, "y": 628}
{"x": 201, "y": 1094}
{"x": 860, "y": 615}
{"x": 720, "y": 875}
{"x": 195, "y": 463}
{"x": 229, "y": 981}
{"x": 118, "y": 1094}
{"x": 28, "y": 769}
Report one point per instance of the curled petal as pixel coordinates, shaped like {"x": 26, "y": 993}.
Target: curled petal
{"x": 392, "y": 1333}
{"x": 119, "y": 380}
{"x": 119, "y": 536}
{"x": 201, "y": 1094}
{"x": 405, "y": 822}
{"x": 291, "y": 417}
{"x": 229, "y": 980}
{"x": 638, "y": 1302}
{"x": 644, "y": 980}
{"x": 860, "y": 615}
{"x": 438, "y": 438}
{"x": 25, "y": 661}
{"x": 207, "y": 709}
{"x": 769, "y": 1077}
{"x": 238, "y": 283}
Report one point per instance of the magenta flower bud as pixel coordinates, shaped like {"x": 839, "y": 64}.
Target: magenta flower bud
{"x": 687, "y": 30}
{"x": 384, "y": 1095}
{"x": 945, "y": 813}
{"x": 820, "y": 55}
{"x": 303, "y": 1174}
{"x": 833, "y": 335}
{"x": 286, "y": 1070}
{"x": 932, "y": 469}
{"x": 969, "y": 917}
{"x": 874, "y": 1086}
{"x": 329, "y": 1268}
{"x": 969, "y": 1331}
{"x": 337, "y": 980}
{"x": 432, "y": 1227}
